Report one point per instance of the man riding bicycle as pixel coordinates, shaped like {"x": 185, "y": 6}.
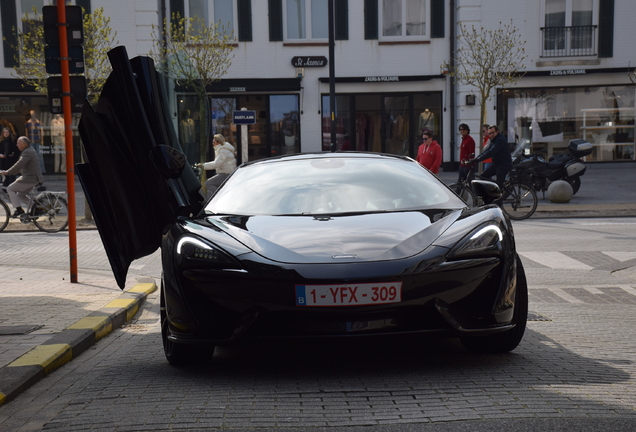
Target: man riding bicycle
{"x": 500, "y": 153}
{"x": 28, "y": 166}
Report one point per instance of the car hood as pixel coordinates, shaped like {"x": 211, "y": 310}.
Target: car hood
{"x": 330, "y": 239}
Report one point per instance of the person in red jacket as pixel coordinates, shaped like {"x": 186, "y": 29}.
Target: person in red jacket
{"x": 430, "y": 153}
{"x": 466, "y": 151}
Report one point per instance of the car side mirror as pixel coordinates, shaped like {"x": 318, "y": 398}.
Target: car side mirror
{"x": 168, "y": 160}
{"x": 488, "y": 191}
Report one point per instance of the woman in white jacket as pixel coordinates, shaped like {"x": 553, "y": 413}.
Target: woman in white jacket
{"x": 224, "y": 163}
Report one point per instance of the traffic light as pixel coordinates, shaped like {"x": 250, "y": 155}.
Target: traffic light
{"x": 52, "y": 57}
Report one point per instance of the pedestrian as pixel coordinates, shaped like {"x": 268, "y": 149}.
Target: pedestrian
{"x": 9, "y": 154}
{"x": 484, "y": 145}
{"x": 466, "y": 151}
{"x": 499, "y": 151}
{"x": 224, "y": 163}
{"x": 28, "y": 166}
{"x": 429, "y": 154}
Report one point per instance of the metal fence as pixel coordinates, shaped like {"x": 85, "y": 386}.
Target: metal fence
{"x": 569, "y": 41}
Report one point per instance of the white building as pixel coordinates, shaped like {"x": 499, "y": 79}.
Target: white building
{"x": 389, "y": 68}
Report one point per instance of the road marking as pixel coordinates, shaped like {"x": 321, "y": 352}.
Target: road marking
{"x": 556, "y": 260}
{"x": 621, "y": 256}
{"x": 565, "y": 296}
{"x": 592, "y": 290}
{"x": 627, "y": 288}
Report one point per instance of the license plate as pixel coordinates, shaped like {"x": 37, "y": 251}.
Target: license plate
{"x": 348, "y": 294}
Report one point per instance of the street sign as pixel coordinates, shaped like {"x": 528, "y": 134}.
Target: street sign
{"x": 52, "y": 60}
{"x": 74, "y": 29}
{"x": 244, "y": 117}
{"x": 78, "y": 92}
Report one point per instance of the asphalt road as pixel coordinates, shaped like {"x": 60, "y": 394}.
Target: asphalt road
{"x": 574, "y": 370}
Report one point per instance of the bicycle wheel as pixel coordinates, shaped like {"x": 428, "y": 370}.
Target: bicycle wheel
{"x": 519, "y": 201}
{"x": 464, "y": 193}
{"x": 5, "y": 214}
{"x": 52, "y": 214}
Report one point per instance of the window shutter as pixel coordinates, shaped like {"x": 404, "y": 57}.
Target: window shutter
{"x": 341, "y": 19}
{"x": 244, "y": 12}
{"x": 85, "y": 4}
{"x": 370, "y": 19}
{"x": 275, "y": 20}
{"x": 9, "y": 32}
{"x": 438, "y": 20}
{"x": 606, "y": 28}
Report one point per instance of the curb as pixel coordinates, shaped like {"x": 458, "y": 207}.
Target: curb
{"x": 41, "y": 360}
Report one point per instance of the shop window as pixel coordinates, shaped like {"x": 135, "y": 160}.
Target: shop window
{"x": 344, "y": 136}
{"x": 403, "y": 19}
{"x": 545, "y": 120}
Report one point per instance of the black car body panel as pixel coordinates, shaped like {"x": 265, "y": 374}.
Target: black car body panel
{"x": 313, "y": 245}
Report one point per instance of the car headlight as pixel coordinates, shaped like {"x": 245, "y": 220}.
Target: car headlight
{"x": 484, "y": 239}
{"x": 193, "y": 250}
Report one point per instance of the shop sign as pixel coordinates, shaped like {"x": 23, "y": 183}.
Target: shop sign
{"x": 237, "y": 89}
{"x": 320, "y": 61}
{"x": 7, "y": 108}
{"x": 568, "y": 72}
{"x": 382, "y": 79}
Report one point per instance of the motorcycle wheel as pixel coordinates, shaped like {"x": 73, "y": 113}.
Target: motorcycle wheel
{"x": 575, "y": 182}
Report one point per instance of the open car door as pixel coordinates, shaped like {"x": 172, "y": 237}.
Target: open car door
{"x": 136, "y": 179}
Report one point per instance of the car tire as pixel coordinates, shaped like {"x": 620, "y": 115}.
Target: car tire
{"x": 181, "y": 354}
{"x": 509, "y": 339}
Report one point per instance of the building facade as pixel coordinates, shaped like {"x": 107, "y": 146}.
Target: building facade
{"x": 391, "y": 79}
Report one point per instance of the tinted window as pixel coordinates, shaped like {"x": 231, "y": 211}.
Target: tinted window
{"x": 331, "y": 186}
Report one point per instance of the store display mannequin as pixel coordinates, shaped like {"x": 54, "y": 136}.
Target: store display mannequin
{"x": 57, "y": 140}
{"x": 33, "y": 130}
{"x": 188, "y": 135}
{"x": 427, "y": 121}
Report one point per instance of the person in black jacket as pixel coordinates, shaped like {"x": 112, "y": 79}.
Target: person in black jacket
{"x": 499, "y": 151}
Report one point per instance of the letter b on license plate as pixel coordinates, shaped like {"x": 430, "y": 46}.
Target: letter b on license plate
{"x": 348, "y": 294}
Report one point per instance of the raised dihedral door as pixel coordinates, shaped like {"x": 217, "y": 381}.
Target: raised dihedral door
{"x": 136, "y": 179}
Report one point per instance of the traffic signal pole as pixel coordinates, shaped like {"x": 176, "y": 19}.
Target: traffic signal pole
{"x": 68, "y": 137}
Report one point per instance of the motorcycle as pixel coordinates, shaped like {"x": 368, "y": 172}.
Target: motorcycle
{"x": 566, "y": 166}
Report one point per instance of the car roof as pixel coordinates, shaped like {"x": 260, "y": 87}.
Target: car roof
{"x": 326, "y": 154}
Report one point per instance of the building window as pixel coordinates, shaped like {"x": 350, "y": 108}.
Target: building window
{"x": 402, "y": 19}
{"x": 569, "y": 28}
{"x": 221, "y": 12}
{"x": 306, "y": 19}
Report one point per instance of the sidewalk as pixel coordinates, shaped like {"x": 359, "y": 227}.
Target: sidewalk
{"x": 45, "y": 320}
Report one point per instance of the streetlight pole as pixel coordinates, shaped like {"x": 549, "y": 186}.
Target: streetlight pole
{"x": 332, "y": 78}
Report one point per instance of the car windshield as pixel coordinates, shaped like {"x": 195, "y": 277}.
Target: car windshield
{"x": 329, "y": 186}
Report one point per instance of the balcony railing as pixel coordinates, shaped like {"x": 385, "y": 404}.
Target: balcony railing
{"x": 569, "y": 41}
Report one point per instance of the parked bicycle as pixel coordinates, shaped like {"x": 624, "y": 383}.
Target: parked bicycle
{"x": 518, "y": 198}
{"x": 47, "y": 210}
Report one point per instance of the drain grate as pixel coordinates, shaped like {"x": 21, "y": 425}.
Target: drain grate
{"x": 18, "y": 329}
{"x": 535, "y": 316}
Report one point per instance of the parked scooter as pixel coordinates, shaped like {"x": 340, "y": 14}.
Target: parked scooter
{"x": 566, "y": 166}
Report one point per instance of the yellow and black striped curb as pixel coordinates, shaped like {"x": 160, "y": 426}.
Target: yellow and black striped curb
{"x": 41, "y": 360}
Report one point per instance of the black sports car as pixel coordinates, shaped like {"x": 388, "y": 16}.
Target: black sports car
{"x": 309, "y": 245}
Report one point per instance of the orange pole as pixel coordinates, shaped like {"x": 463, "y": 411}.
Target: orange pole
{"x": 68, "y": 137}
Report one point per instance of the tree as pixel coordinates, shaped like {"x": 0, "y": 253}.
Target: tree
{"x": 98, "y": 40}
{"x": 487, "y": 59}
{"x": 195, "y": 55}
{"x": 631, "y": 75}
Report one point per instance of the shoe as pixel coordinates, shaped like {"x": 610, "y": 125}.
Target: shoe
{"x": 17, "y": 212}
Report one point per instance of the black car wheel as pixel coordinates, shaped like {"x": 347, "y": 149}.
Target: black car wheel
{"x": 181, "y": 354}
{"x": 508, "y": 340}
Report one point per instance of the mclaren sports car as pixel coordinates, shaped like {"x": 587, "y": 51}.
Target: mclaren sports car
{"x": 321, "y": 245}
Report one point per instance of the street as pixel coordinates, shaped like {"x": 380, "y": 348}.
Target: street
{"x": 574, "y": 370}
